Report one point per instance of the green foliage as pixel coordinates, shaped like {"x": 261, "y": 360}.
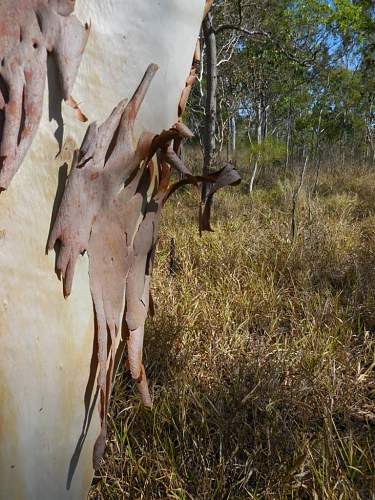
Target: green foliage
{"x": 268, "y": 151}
{"x": 314, "y": 74}
{"x": 351, "y": 18}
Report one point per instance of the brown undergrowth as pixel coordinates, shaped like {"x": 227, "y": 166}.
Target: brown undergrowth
{"x": 261, "y": 353}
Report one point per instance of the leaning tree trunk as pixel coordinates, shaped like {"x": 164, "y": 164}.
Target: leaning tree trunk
{"x": 49, "y": 346}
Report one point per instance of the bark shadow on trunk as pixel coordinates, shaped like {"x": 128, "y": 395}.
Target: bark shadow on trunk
{"x": 90, "y": 406}
{"x": 62, "y": 177}
{"x": 55, "y": 99}
{"x": 91, "y": 401}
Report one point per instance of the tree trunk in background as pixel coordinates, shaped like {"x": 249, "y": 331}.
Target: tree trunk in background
{"x": 263, "y": 109}
{"x": 317, "y": 155}
{"x": 209, "y": 142}
{"x": 266, "y": 116}
{"x": 260, "y": 122}
{"x": 261, "y": 136}
{"x": 233, "y": 129}
{"x": 289, "y": 137}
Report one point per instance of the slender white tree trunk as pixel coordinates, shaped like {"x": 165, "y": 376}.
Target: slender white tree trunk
{"x": 233, "y": 126}
{"x": 253, "y": 175}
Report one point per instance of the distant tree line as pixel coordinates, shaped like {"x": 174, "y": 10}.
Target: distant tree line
{"x": 285, "y": 81}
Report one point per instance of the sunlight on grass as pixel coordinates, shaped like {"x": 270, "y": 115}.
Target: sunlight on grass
{"x": 260, "y": 357}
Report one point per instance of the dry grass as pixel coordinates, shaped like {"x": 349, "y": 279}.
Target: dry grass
{"x": 260, "y": 356}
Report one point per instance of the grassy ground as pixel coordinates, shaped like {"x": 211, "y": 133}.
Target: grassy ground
{"x": 260, "y": 356}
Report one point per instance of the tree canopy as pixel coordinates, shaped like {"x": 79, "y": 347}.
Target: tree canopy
{"x": 295, "y": 78}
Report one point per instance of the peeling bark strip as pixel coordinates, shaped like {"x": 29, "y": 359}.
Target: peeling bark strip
{"x": 29, "y": 29}
{"x": 208, "y": 6}
{"x": 191, "y": 79}
{"x": 193, "y": 75}
{"x": 111, "y": 209}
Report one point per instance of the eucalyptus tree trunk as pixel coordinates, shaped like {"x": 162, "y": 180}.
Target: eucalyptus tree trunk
{"x": 263, "y": 110}
{"x": 317, "y": 155}
{"x": 289, "y": 137}
{"x": 209, "y": 142}
{"x": 261, "y": 135}
{"x": 49, "y": 357}
{"x": 233, "y": 129}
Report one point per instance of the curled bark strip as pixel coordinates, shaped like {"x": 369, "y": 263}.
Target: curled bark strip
{"x": 192, "y": 78}
{"x": 111, "y": 208}
{"x": 197, "y": 54}
{"x": 193, "y": 75}
{"x": 29, "y": 29}
{"x": 100, "y": 214}
{"x": 227, "y": 176}
{"x": 74, "y": 105}
{"x": 207, "y": 7}
{"x": 107, "y": 210}
{"x": 163, "y": 141}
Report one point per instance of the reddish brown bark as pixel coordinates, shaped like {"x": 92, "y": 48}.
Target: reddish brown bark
{"x": 29, "y": 29}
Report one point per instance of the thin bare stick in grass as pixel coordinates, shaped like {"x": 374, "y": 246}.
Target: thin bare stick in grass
{"x": 295, "y": 200}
